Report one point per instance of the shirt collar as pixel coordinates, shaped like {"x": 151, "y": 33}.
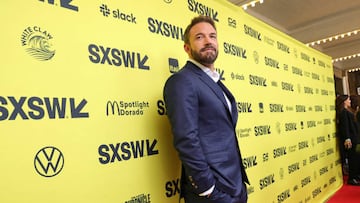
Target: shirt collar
{"x": 212, "y": 74}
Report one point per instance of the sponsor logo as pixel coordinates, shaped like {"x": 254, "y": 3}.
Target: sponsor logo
{"x": 269, "y": 41}
{"x": 305, "y": 57}
{"x": 330, "y": 151}
{"x": 283, "y": 47}
{"x": 165, "y": 29}
{"x": 126, "y": 108}
{"x": 315, "y": 76}
{"x": 231, "y": 22}
{"x": 324, "y": 92}
{"x": 278, "y": 127}
{"x": 290, "y": 126}
{"x": 63, "y": 3}
{"x": 311, "y": 124}
{"x": 276, "y": 107}
{"x": 261, "y": 107}
{"x": 289, "y": 108}
{"x": 141, "y": 198}
{"x": 173, "y": 65}
{"x": 332, "y": 180}
{"x": 234, "y": 50}
{"x": 172, "y": 188}
{"x": 295, "y": 188}
{"x": 318, "y": 108}
{"x": 292, "y": 148}
{"x": 265, "y": 157}
{"x": 287, "y": 86}
{"x": 322, "y": 154}
{"x": 266, "y": 181}
{"x": 286, "y": 67}
{"x": 300, "y": 108}
{"x": 323, "y": 170}
{"x": 321, "y": 139}
{"x": 37, "y": 108}
{"x": 236, "y": 76}
{"x": 117, "y": 57}
{"x": 252, "y": 32}
{"x": 316, "y": 192}
{"x": 321, "y": 63}
{"x": 249, "y": 162}
{"x": 271, "y": 62}
{"x": 281, "y": 173}
{"x": 283, "y": 196}
{"x": 295, "y": 53}
{"x": 262, "y": 130}
{"x": 244, "y": 132}
{"x": 49, "y": 161}
{"x": 279, "y": 152}
{"x": 117, "y": 14}
{"x": 332, "y": 107}
{"x": 257, "y": 80}
{"x": 303, "y": 145}
{"x": 305, "y": 181}
{"x": 256, "y": 57}
{"x": 202, "y": 9}
{"x": 37, "y": 43}
{"x": 127, "y": 150}
{"x": 308, "y": 90}
{"x": 244, "y": 107}
{"x": 330, "y": 80}
{"x": 293, "y": 167}
{"x": 297, "y": 71}
{"x": 313, "y": 158}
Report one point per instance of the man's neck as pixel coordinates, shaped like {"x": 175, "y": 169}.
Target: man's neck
{"x": 209, "y": 66}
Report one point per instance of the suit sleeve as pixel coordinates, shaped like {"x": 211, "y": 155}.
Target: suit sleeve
{"x": 181, "y": 99}
{"x": 345, "y": 125}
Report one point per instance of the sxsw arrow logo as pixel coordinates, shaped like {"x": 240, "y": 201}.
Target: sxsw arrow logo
{"x": 124, "y": 151}
{"x": 37, "y": 108}
{"x": 64, "y": 4}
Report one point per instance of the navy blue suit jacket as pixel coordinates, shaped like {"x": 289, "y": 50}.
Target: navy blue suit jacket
{"x": 204, "y": 132}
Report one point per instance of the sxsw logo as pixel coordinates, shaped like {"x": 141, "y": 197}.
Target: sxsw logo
{"x": 63, "y": 3}
{"x": 37, "y": 108}
{"x": 49, "y": 161}
{"x": 202, "y": 9}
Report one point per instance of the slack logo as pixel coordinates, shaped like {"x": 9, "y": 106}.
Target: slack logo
{"x": 118, "y": 14}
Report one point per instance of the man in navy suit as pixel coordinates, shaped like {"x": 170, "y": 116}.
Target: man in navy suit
{"x": 203, "y": 116}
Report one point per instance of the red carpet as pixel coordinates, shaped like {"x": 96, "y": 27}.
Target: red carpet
{"x": 346, "y": 194}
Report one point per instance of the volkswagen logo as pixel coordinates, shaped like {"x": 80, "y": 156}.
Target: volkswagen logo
{"x": 49, "y": 161}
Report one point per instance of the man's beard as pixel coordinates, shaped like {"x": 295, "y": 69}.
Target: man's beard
{"x": 204, "y": 58}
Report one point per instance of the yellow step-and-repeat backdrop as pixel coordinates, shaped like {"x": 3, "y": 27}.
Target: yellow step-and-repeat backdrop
{"x": 82, "y": 117}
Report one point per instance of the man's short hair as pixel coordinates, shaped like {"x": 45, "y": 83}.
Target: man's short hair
{"x": 194, "y": 21}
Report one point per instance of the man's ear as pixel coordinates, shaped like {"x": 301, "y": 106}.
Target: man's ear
{"x": 187, "y": 48}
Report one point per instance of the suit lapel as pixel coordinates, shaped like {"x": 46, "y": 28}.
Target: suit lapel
{"x": 217, "y": 90}
{"x": 232, "y": 101}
